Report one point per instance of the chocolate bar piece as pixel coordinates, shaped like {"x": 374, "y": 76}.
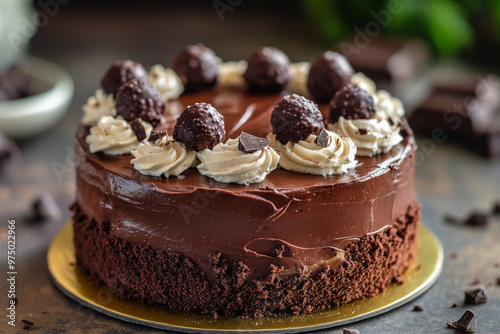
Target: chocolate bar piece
{"x": 386, "y": 59}
{"x": 465, "y": 107}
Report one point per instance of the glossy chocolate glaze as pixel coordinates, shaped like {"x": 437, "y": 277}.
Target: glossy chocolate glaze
{"x": 290, "y": 220}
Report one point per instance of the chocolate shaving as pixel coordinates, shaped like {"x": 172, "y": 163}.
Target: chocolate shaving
{"x": 476, "y": 296}
{"x": 496, "y": 208}
{"x": 28, "y": 324}
{"x": 417, "y": 308}
{"x": 454, "y": 305}
{"x": 155, "y": 135}
{"x": 138, "y": 128}
{"x": 498, "y": 280}
{"x": 349, "y": 331}
{"x": 466, "y": 324}
{"x": 45, "y": 208}
{"x": 363, "y": 131}
{"x": 251, "y": 144}
{"x": 322, "y": 138}
{"x": 477, "y": 218}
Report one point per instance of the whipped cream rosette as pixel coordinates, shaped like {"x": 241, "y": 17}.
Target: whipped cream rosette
{"x": 114, "y": 136}
{"x": 100, "y": 104}
{"x": 166, "y": 81}
{"x": 231, "y": 74}
{"x": 162, "y": 156}
{"x": 372, "y": 121}
{"x": 238, "y": 160}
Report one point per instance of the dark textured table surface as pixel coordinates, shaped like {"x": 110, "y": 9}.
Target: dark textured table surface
{"x": 450, "y": 180}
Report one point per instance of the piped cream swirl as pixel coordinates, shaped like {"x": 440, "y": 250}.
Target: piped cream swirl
{"x": 298, "y": 78}
{"x": 101, "y": 104}
{"x": 371, "y": 136}
{"x": 225, "y": 163}
{"x": 166, "y": 81}
{"x": 308, "y": 157}
{"x": 114, "y": 136}
{"x": 163, "y": 157}
{"x": 231, "y": 74}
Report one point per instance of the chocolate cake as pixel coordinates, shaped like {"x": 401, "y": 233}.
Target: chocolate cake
{"x": 210, "y": 209}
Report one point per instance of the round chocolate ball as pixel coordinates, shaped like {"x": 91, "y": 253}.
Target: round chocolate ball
{"x": 196, "y": 65}
{"x": 352, "y": 102}
{"x": 294, "y": 118}
{"x": 200, "y": 126}
{"x": 137, "y": 98}
{"x": 328, "y": 73}
{"x": 119, "y": 73}
{"x": 267, "y": 70}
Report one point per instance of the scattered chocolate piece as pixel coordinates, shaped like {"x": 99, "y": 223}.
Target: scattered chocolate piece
{"x": 322, "y": 139}
{"x": 139, "y": 99}
{"x": 45, "y": 312}
{"x": 119, "y": 73}
{"x": 417, "y": 308}
{"x": 45, "y": 208}
{"x": 251, "y": 144}
{"x": 199, "y": 127}
{"x": 138, "y": 128}
{"x": 328, "y": 73}
{"x": 294, "y": 118}
{"x": 454, "y": 305}
{"x": 350, "y": 331}
{"x": 496, "y": 208}
{"x": 9, "y": 153}
{"x": 28, "y": 324}
{"x": 466, "y": 324}
{"x": 476, "y": 296}
{"x": 386, "y": 59}
{"x": 155, "y": 135}
{"x": 477, "y": 218}
{"x": 196, "y": 65}
{"x": 268, "y": 70}
{"x": 352, "y": 102}
{"x": 475, "y": 281}
{"x": 498, "y": 280}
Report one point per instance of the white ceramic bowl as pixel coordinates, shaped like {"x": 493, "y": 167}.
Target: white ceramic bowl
{"x": 29, "y": 116}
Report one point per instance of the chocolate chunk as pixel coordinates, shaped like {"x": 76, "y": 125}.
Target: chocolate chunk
{"x": 476, "y": 296}
{"x": 251, "y": 144}
{"x": 119, "y": 73}
{"x": 323, "y": 138}
{"x": 498, "y": 280}
{"x": 267, "y": 70}
{"x": 349, "y": 331}
{"x": 363, "y": 131}
{"x": 196, "y": 65}
{"x": 138, "y": 99}
{"x": 352, "y": 102}
{"x": 199, "y": 127}
{"x": 27, "y": 324}
{"x": 496, "y": 208}
{"x": 477, "y": 218}
{"x": 328, "y": 73}
{"x": 386, "y": 59}
{"x": 294, "y": 118}
{"x": 9, "y": 153}
{"x": 155, "y": 135}
{"x": 45, "y": 208}
{"x": 138, "y": 128}
{"x": 466, "y": 324}
{"x": 417, "y": 308}
{"x": 454, "y": 305}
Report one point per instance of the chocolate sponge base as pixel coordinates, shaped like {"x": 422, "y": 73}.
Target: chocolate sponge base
{"x": 158, "y": 277}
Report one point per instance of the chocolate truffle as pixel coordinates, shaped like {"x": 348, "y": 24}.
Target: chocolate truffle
{"x": 200, "y": 126}
{"x": 196, "y": 65}
{"x": 328, "y": 73}
{"x": 294, "y": 118}
{"x": 138, "y": 99}
{"x": 267, "y": 70}
{"x": 119, "y": 73}
{"x": 352, "y": 102}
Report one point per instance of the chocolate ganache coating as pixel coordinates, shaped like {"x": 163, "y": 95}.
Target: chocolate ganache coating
{"x": 352, "y": 102}
{"x": 139, "y": 99}
{"x": 294, "y": 118}
{"x": 199, "y": 127}
{"x": 267, "y": 70}
{"x": 328, "y": 73}
{"x": 196, "y": 65}
{"x": 119, "y": 73}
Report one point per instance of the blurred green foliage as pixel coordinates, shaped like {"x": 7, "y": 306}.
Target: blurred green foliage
{"x": 450, "y": 26}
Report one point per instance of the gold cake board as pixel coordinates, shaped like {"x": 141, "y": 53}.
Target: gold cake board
{"x": 420, "y": 277}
